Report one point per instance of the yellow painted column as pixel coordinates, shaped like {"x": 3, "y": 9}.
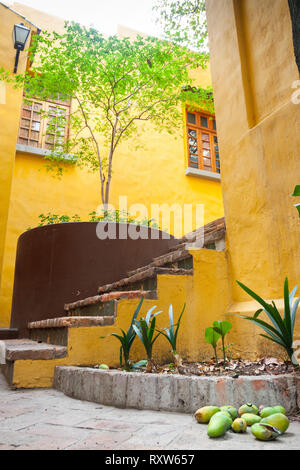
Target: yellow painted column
{"x": 253, "y": 70}
{"x": 10, "y": 103}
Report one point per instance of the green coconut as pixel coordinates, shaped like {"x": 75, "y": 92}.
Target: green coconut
{"x": 227, "y": 415}
{"x": 248, "y": 408}
{"x": 239, "y": 425}
{"x": 218, "y": 425}
{"x": 251, "y": 418}
{"x": 203, "y": 415}
{"x": 264, "y": 432}
{"x": 271, "y": 410}
{"x": 231, "y": 410}
{"x": 278, "y": 421}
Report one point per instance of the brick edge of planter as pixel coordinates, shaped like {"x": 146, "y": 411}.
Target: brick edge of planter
{"x": 175, "y": 393}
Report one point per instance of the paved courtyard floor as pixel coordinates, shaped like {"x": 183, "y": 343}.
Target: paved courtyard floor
{"x": 45, "y": 419}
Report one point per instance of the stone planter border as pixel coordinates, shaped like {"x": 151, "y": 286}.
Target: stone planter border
{"x": 175, "y": 393}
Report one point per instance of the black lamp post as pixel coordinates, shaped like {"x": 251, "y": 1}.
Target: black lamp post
{"x": 20, "y": 36}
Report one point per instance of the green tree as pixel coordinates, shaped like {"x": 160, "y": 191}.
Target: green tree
{"x": 116, "y": 84}
{"x": 184, "y": 22}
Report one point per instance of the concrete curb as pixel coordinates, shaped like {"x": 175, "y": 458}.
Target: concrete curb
{"x": 175, "y": 392}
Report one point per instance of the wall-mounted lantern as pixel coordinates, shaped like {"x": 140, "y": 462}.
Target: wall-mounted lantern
{"x": 20, "y": 36}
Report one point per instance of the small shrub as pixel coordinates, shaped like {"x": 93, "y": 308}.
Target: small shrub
{"x": 145, "y": 329}
{"x": 280, "y": 330}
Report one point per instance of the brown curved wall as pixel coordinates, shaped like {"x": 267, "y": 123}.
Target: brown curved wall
{"x": 62, "y": 263}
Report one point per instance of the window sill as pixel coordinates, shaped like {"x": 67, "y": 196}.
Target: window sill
{"x": 202, "y": 174}
{"x": 43, "y": 152}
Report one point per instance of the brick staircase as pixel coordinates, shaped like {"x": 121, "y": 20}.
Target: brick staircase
{"x": 52, "y": 340}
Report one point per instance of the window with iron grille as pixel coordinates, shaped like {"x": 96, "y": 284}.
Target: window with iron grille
{"x": 202, "y": 141}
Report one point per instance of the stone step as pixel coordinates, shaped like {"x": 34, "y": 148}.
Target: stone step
{"x": 212, "y": 231}
{"x": 56, "y": 330}
{"x": 143, "y": 276}
{"x": 9, "y": 333}
{"x": 173, "y": 258}
{"x": 71, "y": 322}
{"x": 100, "y": 302}
{"x": 23, "y": 349}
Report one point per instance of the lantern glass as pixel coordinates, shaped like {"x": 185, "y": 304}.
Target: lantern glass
{"x": 20, "y": 36}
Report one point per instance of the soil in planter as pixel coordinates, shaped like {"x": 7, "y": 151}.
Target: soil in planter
{"x": 236, "y": 367}
{"x": 233, "y": 368}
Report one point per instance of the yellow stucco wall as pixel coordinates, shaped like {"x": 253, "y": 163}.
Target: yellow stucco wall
{"x": 155, "y": 174}
{"x": 206, "y": 298}
{"x": 9, "y": 124}
{"x": 258, "y": 128}
{"x": 253, "y": 69}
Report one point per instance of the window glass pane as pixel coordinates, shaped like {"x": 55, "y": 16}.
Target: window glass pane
{"x": 192, "y": 133}
{"x": 34, "y": 135}
{"x": 207, "y": 163}
{"x": 24, "y": 132}
{"x": 25, "y": 123}
{"x": 214, "y": 125}
{"x": 36, "y": 116}
{"x": 204, "y": 122}
{"x": 26, "y": 113}
{"x": 194, "y": 150}
{"x": 35, "y": 125}
{"x": 191, "y": 118}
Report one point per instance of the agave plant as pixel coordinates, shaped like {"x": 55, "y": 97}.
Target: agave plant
{"x": 145, "y": 328}
{"x": 280, "y": 330}
{"x": 297, "y": 193}
{"x": 126, "y": 339}
{"x": 171, "y": 335}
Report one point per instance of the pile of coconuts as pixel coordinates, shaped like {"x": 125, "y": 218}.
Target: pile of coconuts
{"x": 266, "y": 423}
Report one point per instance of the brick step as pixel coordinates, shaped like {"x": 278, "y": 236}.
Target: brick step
{"x": 144, "y": 277}
{"x": 102, "y": 302}
{"x": 173, "y": 260}
{"x": 55, "y": 330}
{"x": 212, "y": 231}
{"x": 71, "y": 322}
{"x": 9, "y": 333}
{"x": 23, "y": 349}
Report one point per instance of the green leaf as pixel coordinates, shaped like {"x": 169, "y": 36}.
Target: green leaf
{"x": 294, "y": 312}
{"x": 296, "y": 190}
{"x": 212, "y": 336}
{"x": 298, "y": 208}
{"x": 287, "y": 312}
{"x": 270, "y": 310}
{"x": 222, "y": 327}
{"x": 273, "y": 339}
{"x": 258, "y": 312}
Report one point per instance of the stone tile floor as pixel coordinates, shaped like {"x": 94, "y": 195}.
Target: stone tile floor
{"x": 45, "y": 419}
